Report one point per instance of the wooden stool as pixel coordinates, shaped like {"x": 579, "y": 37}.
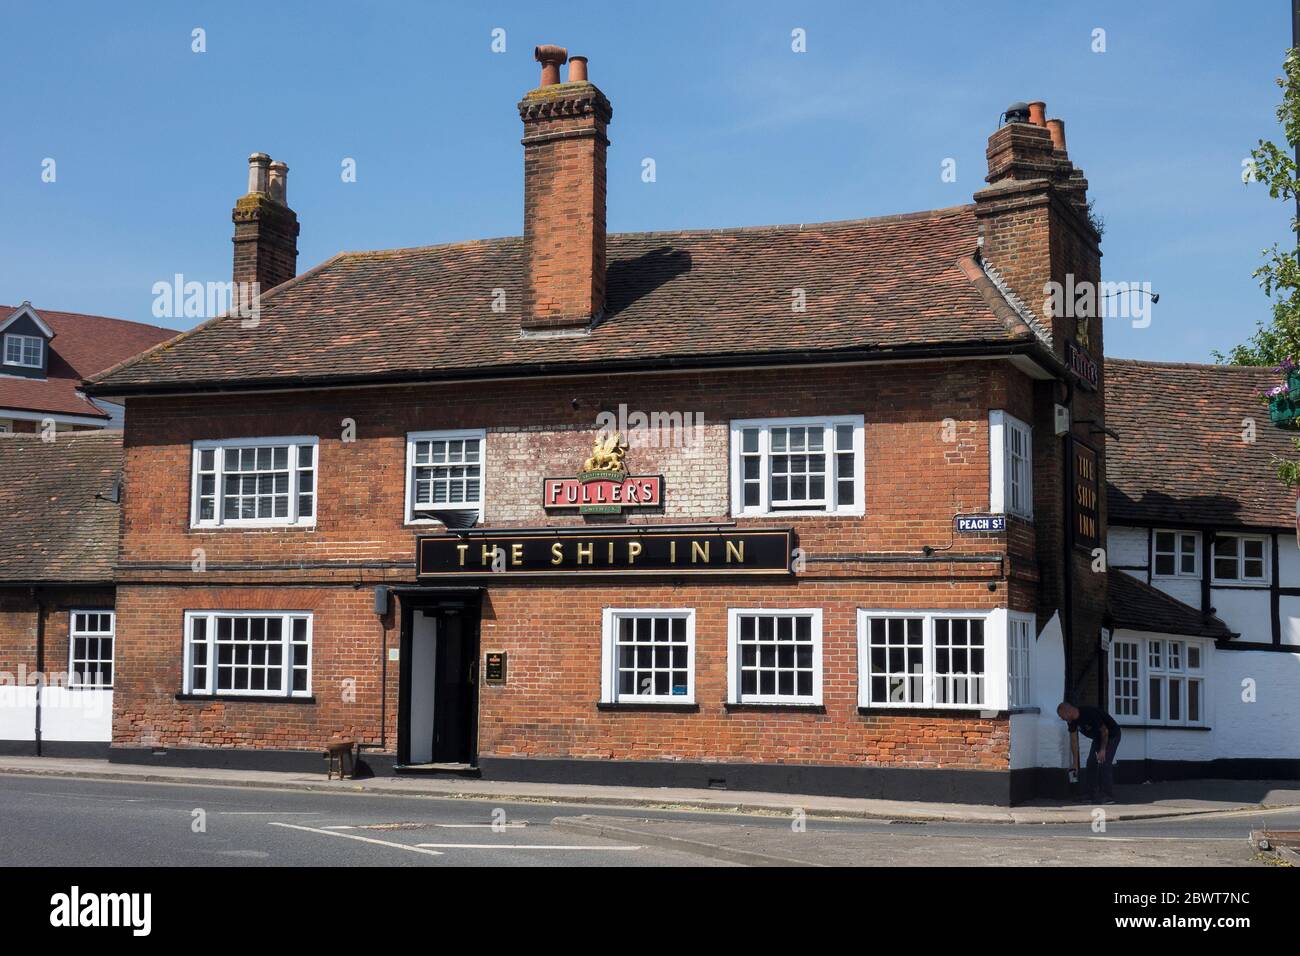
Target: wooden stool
{"x": 340, "y": 750}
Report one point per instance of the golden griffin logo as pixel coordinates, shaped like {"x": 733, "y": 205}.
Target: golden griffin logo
{"x": 607, "y": 453}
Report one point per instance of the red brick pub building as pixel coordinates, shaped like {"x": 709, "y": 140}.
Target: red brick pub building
{"x": 846, "y": 517}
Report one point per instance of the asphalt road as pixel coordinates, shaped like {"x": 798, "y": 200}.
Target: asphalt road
{"x": 60, "y": 821}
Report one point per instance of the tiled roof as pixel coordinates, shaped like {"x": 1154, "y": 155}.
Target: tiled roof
{"x": 1137, "y": 606}
{"x": 55, "y": 528}
{"x": 1181, "y": 457}
{"x": 82, "y": 346}
{"x": 874, "y": 284}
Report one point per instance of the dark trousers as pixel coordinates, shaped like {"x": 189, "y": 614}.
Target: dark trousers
{"x": 1107, "y": 767}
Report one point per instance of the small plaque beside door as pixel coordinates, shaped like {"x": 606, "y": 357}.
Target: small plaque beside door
{"x": 494, "y": 667}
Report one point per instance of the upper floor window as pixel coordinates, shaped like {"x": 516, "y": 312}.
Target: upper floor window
{"x": 1158, "y": 681}
{"x": 797, "y": 466}
{"x": 444, "y": 472}
{"x": 1176, "y": 554}
{"x": 1011, "y": 473}
{"x": 1239, "y": 557}
{"x": 254, "y": 482}
{"x": 26, "y": 351}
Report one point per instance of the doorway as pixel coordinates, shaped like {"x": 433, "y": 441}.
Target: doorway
{"x": 438, "y": 711}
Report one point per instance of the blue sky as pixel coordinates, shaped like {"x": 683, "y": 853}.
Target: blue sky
{"x": 151, "y": 139}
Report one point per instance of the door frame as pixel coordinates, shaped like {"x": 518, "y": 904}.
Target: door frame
{"x": 468, "y": 606}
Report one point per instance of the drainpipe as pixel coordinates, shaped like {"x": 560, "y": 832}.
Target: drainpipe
{"x": 1067, "y": 546}
{"x": 40, "y": 661}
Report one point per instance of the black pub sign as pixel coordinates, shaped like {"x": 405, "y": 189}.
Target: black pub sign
{"x": 614, "y": 551}
{"x": 1086, "y": 517}
{"x": 494, "y": 667}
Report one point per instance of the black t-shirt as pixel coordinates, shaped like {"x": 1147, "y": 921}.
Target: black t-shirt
{"x": 1091, "y": 720}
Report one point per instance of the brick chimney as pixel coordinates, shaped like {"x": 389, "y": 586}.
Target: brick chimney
{"x": 1033, "y": 216}
{"x": 266, "y": 229}
{"x": 564, "y": 197}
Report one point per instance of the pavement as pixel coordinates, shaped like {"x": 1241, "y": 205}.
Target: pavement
{"x": 1140, "y": 802}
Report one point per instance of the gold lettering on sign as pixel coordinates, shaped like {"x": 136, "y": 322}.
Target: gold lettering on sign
{"x": 517, "y": 553}
{"x": 736, "y": 548}
{"x": 633, "y": 549}
{"x": 557, "y": 553}
{"x": 488, "y": 553}
{"x": 586, "y": 551}
{"x": 461, "y": 549}
{"x": 700, "y": 551}
{"x": 611, "y": 552}
{"x": 672, "y": 552}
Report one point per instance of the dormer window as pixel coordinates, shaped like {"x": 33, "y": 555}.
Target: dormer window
{"x": 24, "y": 351}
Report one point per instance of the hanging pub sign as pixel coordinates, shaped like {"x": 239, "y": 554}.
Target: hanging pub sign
{"x": 1082, "y": 365}
{"x": 608, "y": 551}
{"x": 603, "y": 485}
{"x": 1086, "y": 517}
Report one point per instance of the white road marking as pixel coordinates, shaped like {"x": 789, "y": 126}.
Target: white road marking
{"x": 268, "y": 813}
{"x": 344, "y": 826}
{"x": 353, "y": 836}
{"x": 523, "y": 846}
{"x": 485, "y": 826}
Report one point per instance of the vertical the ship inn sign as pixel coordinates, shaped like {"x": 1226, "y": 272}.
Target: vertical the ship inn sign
{"x": 1086, "y": 497}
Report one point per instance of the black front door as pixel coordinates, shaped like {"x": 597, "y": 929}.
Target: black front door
{"x": 455, "y": 697}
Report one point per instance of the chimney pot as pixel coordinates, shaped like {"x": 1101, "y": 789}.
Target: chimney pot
{"x": 1038, "y": 113}
{"x": 551, "y": 57}
{"x": 258, "y": 168}
{"x": 1057, "y": 128}
{"x": 277, "y": 182}
{"x": 577, "y": 69}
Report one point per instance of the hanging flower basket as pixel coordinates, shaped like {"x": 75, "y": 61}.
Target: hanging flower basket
{"x": 1284, "y": 401}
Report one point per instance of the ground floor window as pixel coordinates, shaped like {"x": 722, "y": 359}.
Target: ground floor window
{"x": 648, "y": 656}
{"x": 90, "y": 649}
{"x": 1020, "y": 642}
{"x": 248, "y": 653}
{"x": 1158, "y": 681}
{"x": 774, "y": 656}
{"x": 922, "y": 659}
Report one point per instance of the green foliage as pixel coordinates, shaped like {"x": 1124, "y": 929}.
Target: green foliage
{"x": 1279, "y": 275}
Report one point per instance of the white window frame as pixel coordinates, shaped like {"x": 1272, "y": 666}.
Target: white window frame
{"x": 996, "y": 674}
{"x": 764, "y": 454}
{"x": 734, "y": 695}
{"x": 1241, "y": 579}
{"x": 1155, "y": 661}
{"x": 1000, "y": 465}
{"x": 210, "y": 679}
{"x": 447, "y": 435}
{"x": 1022, "y": 632}
{"x": 23, "y": 341}
{"x": 76, "y": 673}
{"x": 1179, "y": 537}
{"x": 609, "y": 671}
{"x": 6, "y": 426}
{"x": 220, "y": 447}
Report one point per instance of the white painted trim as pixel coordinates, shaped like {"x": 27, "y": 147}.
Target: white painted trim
{"x": 42, "y": 344}
{"x": 286, "y": 640}
{"x": 733, "y": 656}
{"x": 1202, "y": 673}
{"x": 27, "y": 310}
{"x": 765, "y": 425}
{"x": 452, "y": 433}
{"x": 1032, "y": 621}
{"x": 217, "y": 523}
{"x": 999, "y": 464}
{"x": 995, "y": 658}
{"x": 1240, "y": 580}
{"x": 73, "y": 634}
{"x": 609, "y": 658}
{"x": 19, "y": 415}
{"x": 1178, "y": 574}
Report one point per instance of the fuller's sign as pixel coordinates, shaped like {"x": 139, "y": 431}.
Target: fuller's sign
{"x": 612, "y": 551}
{"x": 603, "y": 485}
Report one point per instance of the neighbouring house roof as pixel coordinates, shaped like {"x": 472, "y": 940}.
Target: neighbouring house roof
{"x": 1137, "y": 606}
{"x": 82, "y": 345}
{"x": 55, "y": 527}
{"x": 672, "y": 297}
{"x": 1181, "y": 456}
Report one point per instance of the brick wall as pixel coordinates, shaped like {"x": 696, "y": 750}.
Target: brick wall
{"x": 18, "y": 623}
{"x": 915, "y": 482}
